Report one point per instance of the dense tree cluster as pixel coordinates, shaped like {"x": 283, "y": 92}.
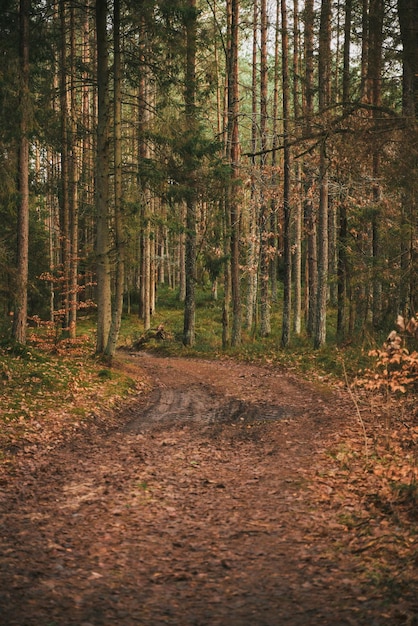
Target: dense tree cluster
{"x": 267, "y": 148}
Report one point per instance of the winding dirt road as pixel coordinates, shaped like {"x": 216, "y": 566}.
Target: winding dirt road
{"x": 194, "y": 508}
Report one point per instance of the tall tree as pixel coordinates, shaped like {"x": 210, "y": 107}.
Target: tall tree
{"x": 190, "y": 17}
{"x": 324, "y": 62}
{"x": 65, "y": 165}
{"x": 408, "y": 19}
{"x": 253, "y": 220}
{"x": 74, "y": 184}
{"x": 117, "y": 307}
{"x": 297, "y": 264}
{"x": 375, "y": 78}
{"x": 265, "y": 305}
{"x": 287, "y": 287}
{"x": 310, "y": 211}
{"x": 21, "y": 293}
{"x": 234, "y": 158}
{"x": 102, "y": 180}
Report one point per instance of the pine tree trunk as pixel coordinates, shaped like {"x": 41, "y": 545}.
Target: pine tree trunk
{"x": 233, "y": 148}
{"x": 346, "y": 52}
{"x": 117, "y": 307}
{"x": 65, "y": 170}
{"x": 182, "y": 258}
{"x": 21, "y": 293}
{"x": 190, "y": 114}
{"x": 73, "y": 189}
{"x": 408, "y": 18}
{"x": 252, "y": 275}
{"x": 309, "y": 207}
{"x": 364, "y": 50}
{"x": 297, "y": 261}
{"x": 287, "y": 252}
{"x": 342, "y": 271}
{"x": 375, "y": 75}
{"x": 324, "y": 98}
{"x": 265, "y": 303}
{"x": 102, "y": 182}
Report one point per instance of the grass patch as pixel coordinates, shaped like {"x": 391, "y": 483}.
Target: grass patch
{"x": 328, "y": 363}
{"x": 45, "y": 391}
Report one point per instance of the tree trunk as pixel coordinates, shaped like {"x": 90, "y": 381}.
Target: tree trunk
{"x": 408, "y": 18}
{"x": 287, "y": 253}
{"x": 342, "y": 271}
{"x": 102, "y": 182}
{"x": 117, "y": 308}
{"x": 364, "y": 50}
{"x": 324, "y": 98}
{"x": 65, "y": 171}
{"x": 190, "y": 164}
{"x": 265, "y": 304}
{"x": 234, "y": 158}
{"x": 375, "y": 78}
{"x": 252, "y": 227}
{"x": 73, "y": 189}
{"x": 346, "y": 52}
{"x": 297, "y": 260}
{"x": 21, "y": 293}
{"x": 310, "y": 211}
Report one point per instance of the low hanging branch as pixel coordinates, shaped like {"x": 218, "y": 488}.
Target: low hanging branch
{"x": 332, "y": 129}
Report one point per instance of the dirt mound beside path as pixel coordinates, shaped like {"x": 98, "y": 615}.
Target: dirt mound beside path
{"x": 198, "y": 509}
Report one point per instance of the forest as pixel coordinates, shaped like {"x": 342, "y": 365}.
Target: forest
{"x": 264, "y": 151}
{"x": 208, "y": 312}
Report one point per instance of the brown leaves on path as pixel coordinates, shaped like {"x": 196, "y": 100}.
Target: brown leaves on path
{"x": 231, "y": 494}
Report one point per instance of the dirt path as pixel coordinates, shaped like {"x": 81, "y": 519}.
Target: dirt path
{"x": 196, "y": 510}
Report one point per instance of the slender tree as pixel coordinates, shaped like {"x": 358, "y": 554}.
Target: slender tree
{"x": 117, "y": 308}
{"x": 252, "y": 247}
{"x": 324, "y": 60}
{"x": 234, "y": 160}
{"x": 375, "y": 77}
{"x": 287, "y": 287}
{"x": 102, "y": 180}
{"x": 21, "y": 293}
{"x": 310, "y": 211}
{"x": 74, "y": 176}
{"x": 297, "y": 264}
{"x": 190, "y": 17}
{"x": 65, "y": 165}
{"x": 265, "y": 304}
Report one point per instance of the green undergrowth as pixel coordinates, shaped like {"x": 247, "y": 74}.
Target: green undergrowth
{"x": 43, "y": 381}
{"x": 335, "y": 361}
{"x": 52, "y": 374}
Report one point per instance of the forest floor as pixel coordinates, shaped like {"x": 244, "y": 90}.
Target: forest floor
{"x": 222, "y": 494}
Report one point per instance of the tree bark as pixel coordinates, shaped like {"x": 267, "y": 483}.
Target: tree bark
{"x": 324, "y": 99}
{"x": 287, "y": 252}
{"x": 117, "y": 308}
{"x": 65, "y": 170}
{"x": 190, "y": 164}
{"x": 375, "y": 78}
{"x": 102, "y": 182}
{"x": 21, "y": 294}
{"x": 408, "y": 19}
{"x": 73, "y": 188}
{"x": 309, "y": 207}
{"x": 234, "y": 158}
{"x": 252, "y": 228}
{"x": 265, "y": 304}
{"x": 297, "y": 261}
